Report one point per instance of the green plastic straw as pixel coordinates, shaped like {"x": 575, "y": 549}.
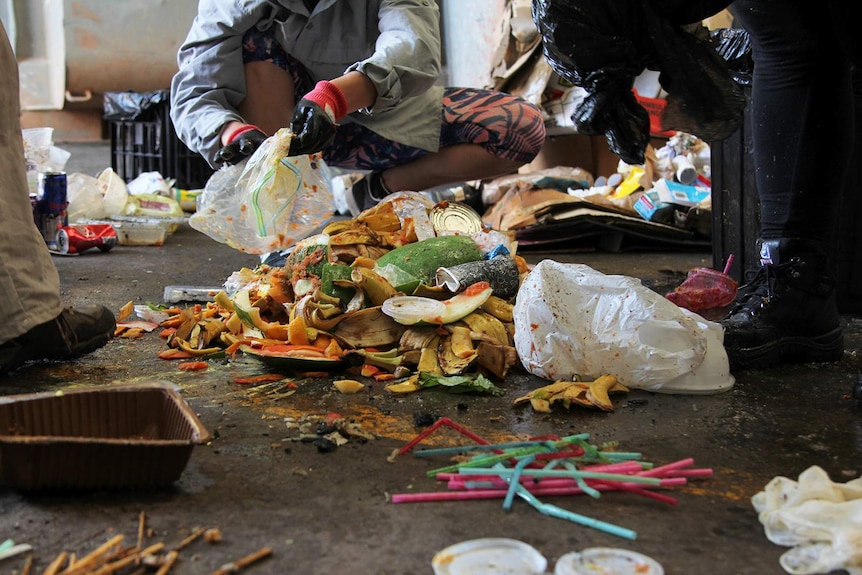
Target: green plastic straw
{"x": 486, "y": 461}
{"x": 493, "y": 446}
{"x": 507, "y": 473}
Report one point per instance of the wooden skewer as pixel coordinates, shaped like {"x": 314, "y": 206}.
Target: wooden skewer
{"x": 195, "y": 534}
{"x": 153, "y": 549}
{"x": 141, "y": 525}
{"x": 169, "y": 562}
{"x": 244, "y": 562}
{"x": 88, "y": 561}
{"x": 110, "y": 568}
{"x": 55, "y": 565}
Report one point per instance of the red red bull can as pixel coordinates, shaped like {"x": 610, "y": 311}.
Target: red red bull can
{"x": 51, "y": 204}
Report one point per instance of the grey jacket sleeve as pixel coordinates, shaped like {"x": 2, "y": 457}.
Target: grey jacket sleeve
{"x": 210, "y": 83}
{"x": 407, "y": 58}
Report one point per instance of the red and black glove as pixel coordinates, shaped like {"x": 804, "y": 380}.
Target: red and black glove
{"x": 241, "y": 143}
{"x": 313, "y": 122}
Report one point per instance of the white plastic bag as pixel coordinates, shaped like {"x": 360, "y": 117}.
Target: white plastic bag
{"x": 573, "y": 321}
{"x": 267, "y": 203}
{"x": 85, "y": 198}
{"x": 820, "y": 519}
{"x": 114, "y": 192}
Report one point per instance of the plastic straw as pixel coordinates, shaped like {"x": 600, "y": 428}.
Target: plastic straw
{"x": 560, "y": 513}
{"x": 436, "y": 425}
{"x": 492, "y": 446}
{"x": 514, "y": 481}
{"x": 562, "y": 483}
{"x": 728, "y": 264}
{"x": 506, "y": 473}
{"x": 511, "y": 454}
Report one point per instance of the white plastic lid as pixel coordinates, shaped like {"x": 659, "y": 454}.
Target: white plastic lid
{"x": 489, "y": 556}
{"x": 607, "y": 561}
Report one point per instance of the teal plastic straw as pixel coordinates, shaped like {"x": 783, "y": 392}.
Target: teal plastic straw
{"x": 594, "y": 493}
{"x": 515, "y": 480}
{"x": 560, "y": 513}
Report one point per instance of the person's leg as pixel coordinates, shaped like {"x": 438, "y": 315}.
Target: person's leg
{"x": 268, "y": 87}
{"x": 484, "y": 134}
{"x": 33, "y": 323}
{"x": 801, "y": 111}
{"x": 274, "y": 80}
{"x": 28, "y": 279}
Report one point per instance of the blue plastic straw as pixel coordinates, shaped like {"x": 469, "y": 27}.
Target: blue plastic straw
{"x": 515, "y": 480}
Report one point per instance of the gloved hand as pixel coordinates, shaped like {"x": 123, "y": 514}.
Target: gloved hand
{"x": 242, "y": 143}
{"x": 313, "y": 122}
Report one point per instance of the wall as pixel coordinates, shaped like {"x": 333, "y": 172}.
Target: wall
{"x": 75, "y": 50}
{"x": 473, "y": 33}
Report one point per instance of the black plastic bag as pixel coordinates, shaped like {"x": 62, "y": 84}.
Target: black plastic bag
{"x": 142, "y": 106}
{"x": 602, "y": 45}
{"x": 734, "y": 46}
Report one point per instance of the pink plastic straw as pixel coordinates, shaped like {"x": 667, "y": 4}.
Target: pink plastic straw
{"x": 471, "y": 494}
{"x": 728, "y": 264}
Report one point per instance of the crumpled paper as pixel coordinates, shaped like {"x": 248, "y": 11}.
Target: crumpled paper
{"x": 820, "y": 519}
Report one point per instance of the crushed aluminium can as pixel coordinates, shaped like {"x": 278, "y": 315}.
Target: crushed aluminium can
{"x": 51, "y": 204}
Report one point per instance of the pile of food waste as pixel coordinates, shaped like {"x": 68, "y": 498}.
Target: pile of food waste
{"x": 403, "y": 293}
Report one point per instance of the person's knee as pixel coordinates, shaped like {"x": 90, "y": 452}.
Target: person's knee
{"x": 526, "y": 134}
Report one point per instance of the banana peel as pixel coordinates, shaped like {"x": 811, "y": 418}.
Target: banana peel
{"x": 409, "y": 385}
{"x": 499, "y": 308}
{"x": 590, "y": 394}
{"x": 489, "y": 327}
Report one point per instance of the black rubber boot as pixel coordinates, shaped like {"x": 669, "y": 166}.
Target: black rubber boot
{"x": 76, "y": 331}
{"x": 788, "y": 312}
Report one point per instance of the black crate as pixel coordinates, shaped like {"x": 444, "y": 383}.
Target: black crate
{"x": 148, "y": 142}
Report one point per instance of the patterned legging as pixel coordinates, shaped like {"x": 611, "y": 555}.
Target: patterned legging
{"x": 506, "y": 126}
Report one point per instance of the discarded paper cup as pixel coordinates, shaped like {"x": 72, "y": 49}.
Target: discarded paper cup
{"x": 500, "y": 272}
{"x": 704, "y": 288}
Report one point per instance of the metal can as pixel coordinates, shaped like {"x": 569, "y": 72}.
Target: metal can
{"x": 51, "y": 204}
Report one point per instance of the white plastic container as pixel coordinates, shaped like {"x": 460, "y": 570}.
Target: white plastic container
{"x": 489, "y": 556}
{"x": 607, "y": 560}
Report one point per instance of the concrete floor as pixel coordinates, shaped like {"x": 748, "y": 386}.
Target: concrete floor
{"x": 329, "y": 513}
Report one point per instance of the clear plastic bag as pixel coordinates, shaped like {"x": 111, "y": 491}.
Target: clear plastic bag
{"x": 266, "y": 203}
{"x": 572, "y": 321}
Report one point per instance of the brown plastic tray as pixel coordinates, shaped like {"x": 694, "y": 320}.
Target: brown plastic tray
{"x": 107, "y": 437}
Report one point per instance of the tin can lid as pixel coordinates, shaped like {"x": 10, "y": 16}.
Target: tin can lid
{"x": 455, "y": 217}
{"x": 489, "y": 556}
{"x": 607, "y": 560}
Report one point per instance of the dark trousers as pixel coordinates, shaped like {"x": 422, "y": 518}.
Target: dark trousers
{"x": 802, "y": 112}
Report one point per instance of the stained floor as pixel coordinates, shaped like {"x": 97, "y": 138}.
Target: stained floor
{"x": 331, "y": 512}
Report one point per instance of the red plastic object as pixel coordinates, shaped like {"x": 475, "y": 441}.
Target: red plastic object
{"x": 82, "y": 237}
{"x": 655, "y": 108}
{"x": 704, "y": 288}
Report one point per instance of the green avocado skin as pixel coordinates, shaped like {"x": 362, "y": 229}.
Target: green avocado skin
{"x": 421, "y": 259}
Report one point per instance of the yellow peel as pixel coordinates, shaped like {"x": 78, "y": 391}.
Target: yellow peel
{"x": 348, "y": 386}
{"x": 597, "y": 393}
